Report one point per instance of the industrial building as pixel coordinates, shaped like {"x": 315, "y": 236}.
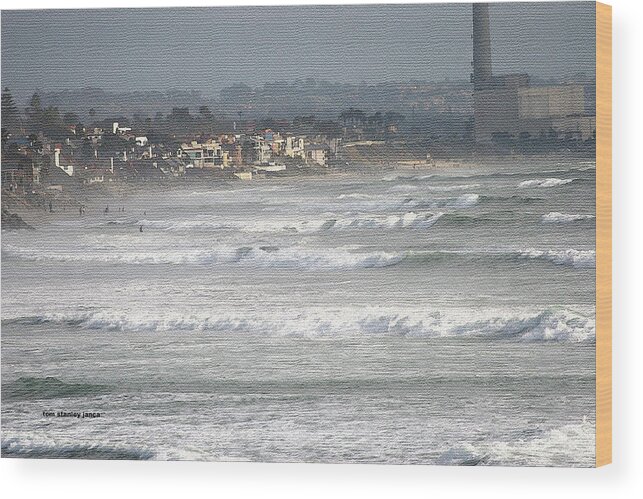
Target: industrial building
{"x": 508, "y": 106}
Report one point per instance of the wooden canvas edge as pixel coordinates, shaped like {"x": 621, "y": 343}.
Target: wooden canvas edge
{"x": 603, "y": 234}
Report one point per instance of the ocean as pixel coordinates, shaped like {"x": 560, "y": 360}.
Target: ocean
{"x": 442, "y": 316}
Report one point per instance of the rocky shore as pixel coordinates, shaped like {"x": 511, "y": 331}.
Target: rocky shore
{"x": 11, "y": 221}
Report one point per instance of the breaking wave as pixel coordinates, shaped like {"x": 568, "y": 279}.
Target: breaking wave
{"x": 555, "y": 217}
{"x": 567, "y": 257}
{"x": 407, "y": 220}
{"x": 589, "y": 167}
{"x": 546, "y": 325}
{"x": 385, "y": 203}
{"x": 354, "y": 195}
{"x": 575, "y": 258}
{"x": 315, "y": 259}
{"x": 544, "y": 183}
{"x": 261, "y": 256}
{"x": 568, "y": 445}
{"x": 411, "y": 219}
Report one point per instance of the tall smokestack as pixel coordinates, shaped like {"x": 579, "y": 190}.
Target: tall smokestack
{"x": 481, "y": 45}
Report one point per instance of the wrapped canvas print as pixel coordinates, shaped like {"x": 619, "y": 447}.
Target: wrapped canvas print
{"x": 326, "y": 234}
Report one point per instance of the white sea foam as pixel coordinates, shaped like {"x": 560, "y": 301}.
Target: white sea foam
{"x": 568, "y": 445}
{"x": 448, "y": 188}
{"x": 573, "y": 257}
{"x": 297, "y": 257}
{"x": 411, "y": 219}
{"x": 543, "y": 183}
{"x": 407, "y": 220}
{"x": 354, "y": 195}
{"x": 555, "y": 217}
{"x": 464, "y": 201}
{"x": 546, "y": 325}
{"x": 385, "y": 203}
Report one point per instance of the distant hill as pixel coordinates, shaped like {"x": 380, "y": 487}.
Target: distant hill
{"x": 107, "y": 104}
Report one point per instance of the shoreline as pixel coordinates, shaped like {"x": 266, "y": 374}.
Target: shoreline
{"x": 32, "y": 210}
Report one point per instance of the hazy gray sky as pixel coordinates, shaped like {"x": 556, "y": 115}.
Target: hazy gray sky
{"x": 209, "y": 48}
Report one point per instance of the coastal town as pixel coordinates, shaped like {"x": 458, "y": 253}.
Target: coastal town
{"x": 64, "y": 146}
{"x": 46, "y": 151}
{"x": 49, "y": 153}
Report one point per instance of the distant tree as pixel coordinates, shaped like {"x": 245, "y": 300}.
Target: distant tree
{"x": 267, "y": 123}
{"x": 304, "y": 120}
{"x": 139, "y": 119}
{"x": 329, "y": 128}
{"x": 34, "y": 112}
{"x": 205, "y": 114}
{"x": 393, "y": 118}
{"x": 5, "y": 138}
{"x": 180, "y": 119}
{"x": 52, "y": 123}
{"x": 49, "y": 121}
{"x": 353, "y": 117}
{"x": 87, "y": 149}
{"x": 92, "y": 113}
{"x": 71, "y": 119}
{"x": 34, "y": 142}
{"x": 10, "y": 115}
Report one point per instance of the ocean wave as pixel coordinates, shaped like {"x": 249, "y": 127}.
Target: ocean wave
{"x": 568, "y": 445}
{"x": 407, "y": 220}
{"x": 355, "y": 195}
{"x": 460, "y": 202}
{"x": 545, "y": 183}
{"x": 28, "y": 387}
{"x": 262, "y": 256}
{"x": 545, "y": 325}
{"x": 50, "y": 449}
{"x": 555, "y": 217}
{"x": 316, "y": 259}
{"x": 385, "y": 203}
{"x": 461, "y": 219}
{"x": 410, "y": 219}
{"x": 568, "y": 257}
{"x": 434, "y": 188}
{"x": 464, "y": 201}
{"x": 573, "y": 257}
{"x": 448, "y": 188}
{"x": 514, "y": 199}
{"x": 587, "y": 166}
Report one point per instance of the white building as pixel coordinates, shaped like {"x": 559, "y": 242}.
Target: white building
{"x": 207, "y": 155}
{"x": 295, "y": 147}
{"x": 63, "y": 163}
{"x": 317, "y": 154}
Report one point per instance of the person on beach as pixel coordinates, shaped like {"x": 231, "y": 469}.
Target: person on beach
{"x": 140, "y": 229}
